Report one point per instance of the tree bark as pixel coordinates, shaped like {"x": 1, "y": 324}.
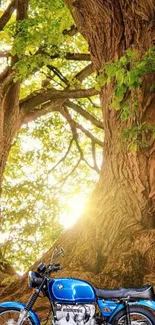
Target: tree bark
{"x": 121, "y": 212}
{"x": 9, "y": 118}
{"x": 113, "y": 243}
{"x": 9, "y": 91}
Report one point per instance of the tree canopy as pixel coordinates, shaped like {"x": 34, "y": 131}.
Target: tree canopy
{"x": 61, "y": 129}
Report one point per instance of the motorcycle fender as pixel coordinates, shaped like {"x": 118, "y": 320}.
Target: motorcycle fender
{"x": 144, "y": 303}
{"x": 20, "y": 306}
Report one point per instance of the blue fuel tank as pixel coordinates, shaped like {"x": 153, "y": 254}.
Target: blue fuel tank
{"x": 69, "y": 290}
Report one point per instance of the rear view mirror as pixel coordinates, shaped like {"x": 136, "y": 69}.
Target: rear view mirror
{"x": 62, "y": 251}
{"x": 56, "y": 253}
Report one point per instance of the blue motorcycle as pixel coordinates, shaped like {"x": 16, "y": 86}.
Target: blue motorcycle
{"x": 76, "y": 302}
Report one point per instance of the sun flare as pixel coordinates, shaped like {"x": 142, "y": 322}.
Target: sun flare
{"x": 74, "y": 209}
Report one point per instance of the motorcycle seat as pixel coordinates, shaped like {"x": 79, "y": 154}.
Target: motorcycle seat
{"x": 145, "y": 292}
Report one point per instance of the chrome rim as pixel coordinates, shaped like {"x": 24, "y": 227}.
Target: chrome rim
{"x": 136, "y": 319}
{"x": 10, "y": 317}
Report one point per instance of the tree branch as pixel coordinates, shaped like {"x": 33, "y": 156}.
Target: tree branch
{"x": 74, "y": 125}
{"x": 63, "y": 180}
{"x": 67, "y": 56}
{"x": 4, "y": 54}
{"x": 22, "y": 8}
{"x": 89, "y": 134}
{"x": 27, "y": 115}
{"x": 7, "y": 14}
{"x": 93, "y": 104}
{"x": 4, "y": 74}
{"x": 84, "y": 73}
{"x": 71, "y": 32}
{"x": 58, "y": 73}
{"x": 70, "y": 56}
{"x": 64, "y": 157}
{"x": 80, "y": 76}
{"x": 49, "y": 95}
{"x": 85, "y": 114}
{"x": 7, "y": 79}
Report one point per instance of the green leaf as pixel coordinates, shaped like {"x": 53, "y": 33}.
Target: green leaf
{"x": 111, "y": 69}
{"x": 133, "y": 146}
{"x": 131, "y": 54}
{"x": 116, "y": 105}
{"x": 97, "y": 86}
{"x": 120, "y": 77}
{"x": 152, "y": 88}
{"x": 102, "y": 79}
{"x": 123, "y": 59}
{"x": 119, "y": 93}
{"x": 133, "y": 80}
{"x": 125, "y": 112}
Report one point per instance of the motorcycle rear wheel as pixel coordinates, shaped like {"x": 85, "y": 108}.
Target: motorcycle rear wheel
{"x": 138, "y": 315}
{"x": 10, "y": 316}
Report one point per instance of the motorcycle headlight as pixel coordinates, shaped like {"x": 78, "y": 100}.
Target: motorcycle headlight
{"x": 34, "y": 279}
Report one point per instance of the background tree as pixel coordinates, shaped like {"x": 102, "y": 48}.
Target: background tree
{"x": 42, "y": 186}
{"x": 37, "y": 59}
{"x": 36, "y": 43}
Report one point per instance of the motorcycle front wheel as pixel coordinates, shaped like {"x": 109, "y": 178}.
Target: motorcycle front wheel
{"x": 10, "y": 316}
{"x": 138, "y": 316}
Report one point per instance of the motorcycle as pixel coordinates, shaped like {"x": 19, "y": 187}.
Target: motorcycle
{"x": 77, "y": 302}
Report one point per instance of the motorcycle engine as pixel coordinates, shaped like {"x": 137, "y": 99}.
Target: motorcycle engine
{"x": 75, "y": 314}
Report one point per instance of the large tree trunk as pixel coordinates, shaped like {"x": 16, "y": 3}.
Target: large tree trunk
{"x": 121, "y": 215}
{"x": 9, "y": 118}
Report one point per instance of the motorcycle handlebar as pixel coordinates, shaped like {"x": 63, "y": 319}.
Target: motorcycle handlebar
{"x": 54, "y": 268}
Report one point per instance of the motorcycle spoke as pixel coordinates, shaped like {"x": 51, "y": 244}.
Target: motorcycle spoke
{"x": 136, "y": 319}
{"x": 11, "y": 318}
